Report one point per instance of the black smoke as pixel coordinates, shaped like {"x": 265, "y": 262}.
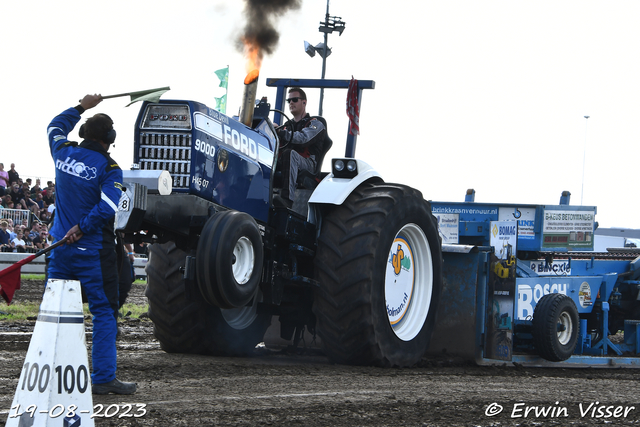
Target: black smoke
{"x": 261, "y": 30}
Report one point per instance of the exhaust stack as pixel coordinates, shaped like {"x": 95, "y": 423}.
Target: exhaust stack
{"x": 249, "y": 97}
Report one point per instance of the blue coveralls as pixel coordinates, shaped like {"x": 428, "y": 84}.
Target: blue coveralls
{"x": 88, "y": 188}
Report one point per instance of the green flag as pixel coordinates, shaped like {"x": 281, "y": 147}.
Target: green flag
{"x": 223, "y": 75}
{"x": 221, "y": 104}
{"x": 151, "y": 95}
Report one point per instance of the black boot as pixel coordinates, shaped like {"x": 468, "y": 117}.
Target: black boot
{"x": 115, "y": 386}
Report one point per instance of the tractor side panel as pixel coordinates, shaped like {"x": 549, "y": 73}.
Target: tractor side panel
{"x": 228, "y": 165}
{"x": 464, "y": 280}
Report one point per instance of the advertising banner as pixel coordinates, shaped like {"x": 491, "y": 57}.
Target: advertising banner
{"x": 568, "y": 229}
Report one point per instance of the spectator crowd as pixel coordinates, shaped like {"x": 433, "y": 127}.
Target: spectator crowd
{"x": 25, "y": 211}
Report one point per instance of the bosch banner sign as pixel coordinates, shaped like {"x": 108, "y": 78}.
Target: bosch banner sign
{"x": 530, "y": 290}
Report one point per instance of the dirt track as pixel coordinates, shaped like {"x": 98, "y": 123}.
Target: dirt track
{"x": 276, "y": 387}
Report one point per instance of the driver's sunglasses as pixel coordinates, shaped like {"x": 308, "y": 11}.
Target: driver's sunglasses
{"x": 289, "y": 100}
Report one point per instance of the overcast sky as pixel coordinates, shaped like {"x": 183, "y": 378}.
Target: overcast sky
{"x": 489, "y": 95}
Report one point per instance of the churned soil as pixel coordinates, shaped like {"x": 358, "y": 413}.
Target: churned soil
{"x": 277, "y": 386}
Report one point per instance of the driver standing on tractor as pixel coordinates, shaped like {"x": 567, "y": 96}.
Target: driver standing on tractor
{"x": 303, "y": 139}
{"x": 89, "y": 186}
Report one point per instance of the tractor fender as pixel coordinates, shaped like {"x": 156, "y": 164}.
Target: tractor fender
{"x": 334, "y": 191}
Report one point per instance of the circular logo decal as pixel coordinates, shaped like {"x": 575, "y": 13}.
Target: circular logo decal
{"x": 399, "y": 280}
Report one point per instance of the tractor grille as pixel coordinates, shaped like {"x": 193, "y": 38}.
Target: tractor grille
{"x": 170, "y": 152}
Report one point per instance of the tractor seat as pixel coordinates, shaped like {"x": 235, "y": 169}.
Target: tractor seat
{"x": 310, "y": 180}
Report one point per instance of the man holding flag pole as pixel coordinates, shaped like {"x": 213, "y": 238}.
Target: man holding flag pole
{"x": 89, "y": 186}
{"x": 10, "y": 276}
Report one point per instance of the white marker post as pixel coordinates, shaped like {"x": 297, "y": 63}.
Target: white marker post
{"x": 55, "y": 383}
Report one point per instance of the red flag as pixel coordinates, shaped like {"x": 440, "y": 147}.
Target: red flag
{"x": 10, "y": 278}
{"x": 353, "y": 107}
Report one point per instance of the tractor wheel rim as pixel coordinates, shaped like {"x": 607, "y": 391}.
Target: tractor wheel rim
{"x": 242, "y": 317}
{"x": 244, "y": 259}
{"x": 564, "y": 336}
{"x": 408, "y": 282}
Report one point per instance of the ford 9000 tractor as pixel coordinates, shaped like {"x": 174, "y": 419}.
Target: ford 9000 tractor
{"x": 357, "y": 262}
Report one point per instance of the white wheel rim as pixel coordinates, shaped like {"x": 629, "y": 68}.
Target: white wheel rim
{"x": 565, "y": 336}
{"x": 242, "y": 317}
{"x": 408, "y": 282}
{"x": 244, "y": 260}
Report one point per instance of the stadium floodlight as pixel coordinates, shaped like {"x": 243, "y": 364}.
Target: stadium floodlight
{"x": 328, "y": 26}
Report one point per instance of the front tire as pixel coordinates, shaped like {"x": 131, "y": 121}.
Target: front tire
{"x": 185, "y": 326}
{"x": 229, "y": 259}
{"x": 379, "y": 265}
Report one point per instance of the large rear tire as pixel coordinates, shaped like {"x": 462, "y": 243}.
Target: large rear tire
{"x": 185, "y": 326}
{"x": 379, "y": 264}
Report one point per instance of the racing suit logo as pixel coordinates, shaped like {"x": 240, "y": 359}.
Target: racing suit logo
{"x": 75, "y": 168}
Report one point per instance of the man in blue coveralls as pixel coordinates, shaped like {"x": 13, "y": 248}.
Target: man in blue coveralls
{"x": 89, "y": 185}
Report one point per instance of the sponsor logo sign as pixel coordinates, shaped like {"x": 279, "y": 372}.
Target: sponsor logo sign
{"x": 399, "y": 279}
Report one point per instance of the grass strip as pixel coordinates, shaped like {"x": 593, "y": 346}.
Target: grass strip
{"x": 29, "y": 311}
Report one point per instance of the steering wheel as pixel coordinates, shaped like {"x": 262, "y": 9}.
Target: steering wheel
{"x": 286, "y": 141}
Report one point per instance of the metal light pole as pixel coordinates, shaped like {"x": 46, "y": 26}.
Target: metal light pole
{"x": 329, "y": 25}
{"x": 324, "y": 58}
{"x": 584, "y": 157}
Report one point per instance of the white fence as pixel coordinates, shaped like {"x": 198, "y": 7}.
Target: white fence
{"x": 34, "y": 267}
{"x": 37, "y": 266}
{"x": 17, "y": 215}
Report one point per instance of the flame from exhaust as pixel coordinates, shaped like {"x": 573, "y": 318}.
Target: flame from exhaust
{"x": 254, "y": 56}
{"x": 252, "y": 76}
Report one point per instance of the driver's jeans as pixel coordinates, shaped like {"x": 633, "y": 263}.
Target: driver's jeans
{"x": 292, "y": 163}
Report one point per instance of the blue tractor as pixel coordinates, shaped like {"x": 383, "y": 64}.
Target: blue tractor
{"x": 356, "y": 262}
